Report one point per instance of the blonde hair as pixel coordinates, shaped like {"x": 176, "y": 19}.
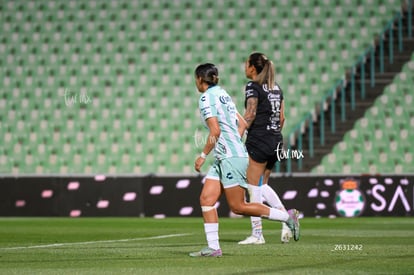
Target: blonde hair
{"x": 264, "y": 68}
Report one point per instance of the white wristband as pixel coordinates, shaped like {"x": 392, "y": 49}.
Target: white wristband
{"x": 202, "y": 155}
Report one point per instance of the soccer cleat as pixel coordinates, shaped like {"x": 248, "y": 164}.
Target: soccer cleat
{"x": 207, "y": 252}
{"x": 293, "y": 223}
{"x": 253, "y": 240}
{"x": 286, "y": 235}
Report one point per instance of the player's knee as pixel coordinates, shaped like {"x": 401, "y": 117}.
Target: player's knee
{"x": 206, "y": 200}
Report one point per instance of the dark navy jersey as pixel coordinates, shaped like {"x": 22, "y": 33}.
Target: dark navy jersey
{"x": 267, "y": 121}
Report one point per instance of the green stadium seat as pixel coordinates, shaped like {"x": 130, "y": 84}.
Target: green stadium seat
{"x": 128, "y": 54}
{"x": 384, "y": 151}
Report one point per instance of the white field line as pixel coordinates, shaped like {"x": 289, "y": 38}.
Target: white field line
{"x": 94, "y": 242}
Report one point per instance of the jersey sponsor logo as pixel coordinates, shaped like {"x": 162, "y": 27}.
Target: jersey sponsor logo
{"x": 224, "y": 99}
{"x": 206, "y": 111}
{"x": 221, "y": 148}
{"x": 231, "y": 109}
{"x": 274, "y": 88}
{"x": 249, "y": 93}
{"x": 273, "y": 97}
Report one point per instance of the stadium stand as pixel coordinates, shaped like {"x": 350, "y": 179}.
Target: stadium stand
{"x": 107, "y": 86}
{"x": 381, "y": 141}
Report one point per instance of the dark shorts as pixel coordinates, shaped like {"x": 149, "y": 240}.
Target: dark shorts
{"x": 264, "y": 152}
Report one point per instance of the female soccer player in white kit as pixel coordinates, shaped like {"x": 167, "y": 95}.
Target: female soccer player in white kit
{"x": 227, "y": 174}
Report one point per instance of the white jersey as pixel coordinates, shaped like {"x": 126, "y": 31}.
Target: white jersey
{"x": 215, "y": 102}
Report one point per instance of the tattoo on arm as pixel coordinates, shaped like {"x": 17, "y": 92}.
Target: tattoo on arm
{"x": 251, "y": 108}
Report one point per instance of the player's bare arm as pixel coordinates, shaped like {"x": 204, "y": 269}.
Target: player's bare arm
{"x": 282, "y": 115}
{"x": 242, "y": 124}
{"x": 213, "y": 136}
{"x": 251, "y": 108}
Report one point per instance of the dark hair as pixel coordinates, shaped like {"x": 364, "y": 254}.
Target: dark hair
{"x": 264, "y": 68}
{"x": 208, "y": 73}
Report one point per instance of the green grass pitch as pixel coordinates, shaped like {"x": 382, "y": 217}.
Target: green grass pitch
{"x": 380, "y": 245}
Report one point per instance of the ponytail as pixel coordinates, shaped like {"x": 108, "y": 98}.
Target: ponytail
{"x": 264, "y": 68}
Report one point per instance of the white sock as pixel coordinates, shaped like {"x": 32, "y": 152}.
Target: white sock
{"x": 278, "y": 215}
{"x": 211, "y": 230}
{"x": 271, "y": 197}
{"x": 257, "y": 229}
{"x": 255, "y": 193}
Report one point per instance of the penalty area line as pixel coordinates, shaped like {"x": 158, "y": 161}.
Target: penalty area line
{"x": 95, "y": 242}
